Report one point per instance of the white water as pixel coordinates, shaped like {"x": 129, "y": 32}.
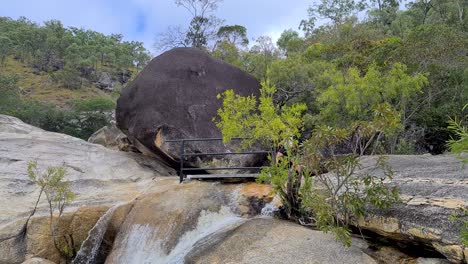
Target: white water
{"x": 89, "y": 247}
{"x": 141, "y": 246}
{"x": 269, "y": 209}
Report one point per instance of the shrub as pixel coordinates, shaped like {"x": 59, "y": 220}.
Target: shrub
{"x": 459, "y": 144}
{"x": 328, "y": 201}
{"x": 52, "y": 182}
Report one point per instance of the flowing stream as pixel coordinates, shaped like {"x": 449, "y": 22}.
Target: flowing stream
{"x": 90, "y": 247}
{"x": 143, "y": 244}
{"x": 141, "y": 247}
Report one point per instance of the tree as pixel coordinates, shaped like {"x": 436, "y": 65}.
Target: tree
{"x": 56, "y": 189}
{"x": 290, "y": 42}
{"x": 228, "y": 52}
{"x": 199, "y": 8}
{"x": 5, "y": 49}
{"x": 422, "y": 9}
{"x": 293, "y": 79}
{"x": 260, "y": 57}
{"x": 351, "y": 95}
{"x": 173, "y": 37}
{"x": 336, "y": 10}
{"x": 385, "y": 11}
{"x": 235, "y": 35}
{"x": 340, "y": 197}
{"x": 201, "y": 30}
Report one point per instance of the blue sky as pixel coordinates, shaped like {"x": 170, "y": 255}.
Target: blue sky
{"x": 142, "y": 20}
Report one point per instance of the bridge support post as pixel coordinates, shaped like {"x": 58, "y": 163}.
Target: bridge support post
{"x": 182, "y": 156}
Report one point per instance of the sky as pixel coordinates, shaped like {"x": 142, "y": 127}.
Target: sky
{"x": 142, "y": 20}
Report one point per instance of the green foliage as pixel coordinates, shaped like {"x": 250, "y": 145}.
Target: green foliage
{"x": 338, "y": 198}
{"x": 336, "y": 10}
{"x": 52, "y": 182}
{"x": 330, "y": 201}
{"x": 67, "y": 53}
{"x": 5, "y": 49}
{"x": 242, "y": 117}
{"x": 464, "y": 234}
{"x": 460, "y": 218}
{"x": 351, "y": 96}
{"x": 290, "y": 42}
{"x": 235, "y": 35}
{"x": 459, "y": 144}
{"x": 83, "y": 119}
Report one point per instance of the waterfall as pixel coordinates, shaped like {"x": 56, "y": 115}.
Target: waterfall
{"x": 142, "y": 247}
{"x": 142, "y": 244}
{"x": 89, "y": 247}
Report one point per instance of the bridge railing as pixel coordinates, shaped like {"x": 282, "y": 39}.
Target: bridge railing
{"x": 183, "y": 155}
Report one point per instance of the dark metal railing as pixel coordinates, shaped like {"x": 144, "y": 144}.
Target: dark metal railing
{"x": 183, "y": 155}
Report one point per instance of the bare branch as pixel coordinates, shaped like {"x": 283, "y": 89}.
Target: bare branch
{"x": 175, "y": 36}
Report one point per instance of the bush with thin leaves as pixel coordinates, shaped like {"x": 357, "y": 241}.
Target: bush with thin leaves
{"x": 53, "y": 184}
{"x": 459, "y": 144}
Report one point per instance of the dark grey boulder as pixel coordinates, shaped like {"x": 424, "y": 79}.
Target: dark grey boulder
{"x": 174, "y": 97}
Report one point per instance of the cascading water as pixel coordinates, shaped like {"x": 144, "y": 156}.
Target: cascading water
{"x": 89, "y": 248}
{"x": 269, "y": 209}
{"x": 141, "y": 244}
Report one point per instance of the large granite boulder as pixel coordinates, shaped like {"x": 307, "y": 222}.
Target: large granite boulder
{"x": 433, "y": 188}
{"x": 174, "y": 97}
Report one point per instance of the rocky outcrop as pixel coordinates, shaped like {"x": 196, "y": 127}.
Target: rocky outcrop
{"x": 111, "y": 137}
{"x": 200, "y": 223}
{"x": 104, "y": 82}
{"x": 158, "y": 220}
{"x": 432, "y": 189}
{"x": 174, "y": 97}
{"x": 269, "y": 241}
{"x": 99, "y": 177}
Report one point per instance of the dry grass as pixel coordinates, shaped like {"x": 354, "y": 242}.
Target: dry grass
{"x": 40, "y": 86}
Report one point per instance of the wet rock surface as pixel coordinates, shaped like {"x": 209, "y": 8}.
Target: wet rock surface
{"x": 174, "y": 97}
{"x": 201, "y": 222}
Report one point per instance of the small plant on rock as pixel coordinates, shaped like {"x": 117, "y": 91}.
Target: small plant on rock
{"x": 53, "y": 184}
{"x": 459, "y": 144}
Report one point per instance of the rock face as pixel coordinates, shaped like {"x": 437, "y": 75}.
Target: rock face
{"x": 270, "y": 241}
{"x": 200, "y": 223}
{"x": 111, "y": 137}
{"x": 174, "y": 97}
{"x": 99, "y": 177}
{"x": 432, "y": 189}
{"x": 105, "y": 82}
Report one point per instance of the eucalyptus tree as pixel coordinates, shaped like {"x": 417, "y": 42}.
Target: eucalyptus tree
{"x": 201, "y": 30}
